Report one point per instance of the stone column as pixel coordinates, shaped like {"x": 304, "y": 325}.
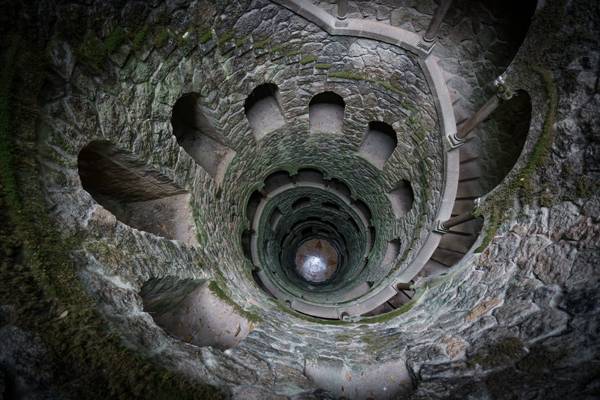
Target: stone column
{"x": 342, "y": 9}
{"x": 434, "y": 26}
{"x": 444, "y": 227}
{"x": 484, "y": 112}
{"x": 502, "y": 93}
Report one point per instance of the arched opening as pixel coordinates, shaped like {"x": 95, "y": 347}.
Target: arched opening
{"x": 372, "y": 237}
{"x": 247, "y": 243}
{"x": 198, "y": 136}
{"x": 379, "y": 143}
{"x": 486, "y": 160}
{"x": 301, "y": 202}
{"x": 339, "y": 187}
{"x": 308, "y": 175}
{"x": 252, "y": 205}
{"x": 392, "y": 251}
{"x": 363, "y": 209}
{"x": 275, "y": 218}
{"x": 276, "y": 180}
{"x": 502, "y": 138}
{"x": 326, "y": 113}
{"x": 136, "y": 194}
{"x": 263, "y": 110}
{"x": 192, "y": 311}
{"x": 401, "y": 198}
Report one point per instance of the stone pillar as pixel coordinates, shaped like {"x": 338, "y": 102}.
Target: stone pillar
{"x": 342, "y": 9}
{"x": 434, "y": 26}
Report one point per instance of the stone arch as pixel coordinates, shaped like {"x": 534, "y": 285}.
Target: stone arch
{"x": 509, "y": 124}
{"x": 392, "y": 251}
{"x": 276, "y": 180}
{"x": 309, "y": 175}
{"x": 197, "y": 135}
{"x": 192, "y": 311}
{"x": 136, "y": 194}
{"x": 263, "y": 110}
{"x": 379, "y": 143}
{"x": 401, "y": 198}
{"x": 252, "y": 205}
{"x": 301, "y": 202}
{"x": 339, "y": 187}
{"x": 326, "y": 113}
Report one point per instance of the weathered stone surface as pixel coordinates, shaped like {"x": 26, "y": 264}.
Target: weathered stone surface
{"x": 519, "y": 320}
{"x": 25, "y": 371}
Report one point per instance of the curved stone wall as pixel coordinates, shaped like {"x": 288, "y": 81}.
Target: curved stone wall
{"x": 182, "y": 165}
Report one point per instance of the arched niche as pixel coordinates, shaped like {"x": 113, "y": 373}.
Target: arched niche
{"x": 246, "y": 242}
{"x": 252, "y": 205}
{"x": 193, "y": 311}
{"x": 276, "y": 180}
{"x": 503, "y": 136}
{"x": 309, "y": 175}
{"x": 363, "y": 209}
{"x": 136, "y": 194}
{"x": 401, "y": 198}
{"x": 339, "y": 187}
{"x": 372, "y": 237}
{"x": 301, "y": 202}
{"x": 391, "y": 252}
{"x": 379, "y": 143}
{"x": 274, "y": 218}
{"x": 263, "y": 110}
{"x": 197, "y": 135}
{"x": 326, "y": 113}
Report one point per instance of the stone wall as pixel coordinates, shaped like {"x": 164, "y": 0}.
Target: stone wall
{"x": 517, "y": 320}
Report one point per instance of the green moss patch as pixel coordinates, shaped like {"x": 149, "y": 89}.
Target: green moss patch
{"x": 359, "y": 76}
{"x": 205, "y": 36}
{"x": 261, "y": 43}
{"x": 139, "y": 37}
{"x": 225, "y": 37}
{"x": 161, "y": 37}
{"x": 92, "y": 52}
{"x": 507, "y": 350}
{"x": 541, "y": 358}
{"x": 292, "y": 52}
{"x": 115, "y": 40}
{"x": 351, "y": 75}
{"x": 220, "y": 293}
{"x": 308, "y": 59}
{"x": 393, "y": 314}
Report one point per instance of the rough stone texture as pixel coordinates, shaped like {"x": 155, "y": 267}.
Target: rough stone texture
{"x": 476, "y": 43}
{"x": 24, "y": 369}
{"x": 519, "y": 320}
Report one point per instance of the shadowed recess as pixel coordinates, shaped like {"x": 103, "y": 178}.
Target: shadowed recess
{"x": 136, "y": 194}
